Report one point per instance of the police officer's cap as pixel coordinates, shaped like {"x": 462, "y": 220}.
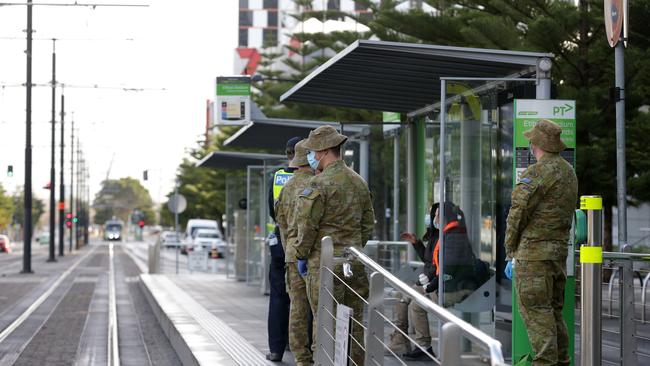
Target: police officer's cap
{"x": 546, "y": 136}
{"x": 323, "y": 138}
{"x": 291, "y": 143}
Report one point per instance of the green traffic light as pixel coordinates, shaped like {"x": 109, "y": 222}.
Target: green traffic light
{"x": 75, "y": 219}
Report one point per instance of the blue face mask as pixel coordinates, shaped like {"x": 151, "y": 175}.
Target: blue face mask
{"x": 311, "y": 158}
{"x": 427, "y": 220}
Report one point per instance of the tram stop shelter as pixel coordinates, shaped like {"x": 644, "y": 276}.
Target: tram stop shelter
{"x": 456, "y": 107}
{"x": 247, "y": 212}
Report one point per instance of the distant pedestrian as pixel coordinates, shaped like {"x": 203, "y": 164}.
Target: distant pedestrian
{"x": 336, "y": 204}
{"x": 285, "y": 213}
{"x": 536, "y": 243}
{"x": 278, "y": 320}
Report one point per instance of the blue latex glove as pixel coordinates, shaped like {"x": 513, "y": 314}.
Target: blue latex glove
{"x": 508, "y": 270}
{"x": 302, "y": 267}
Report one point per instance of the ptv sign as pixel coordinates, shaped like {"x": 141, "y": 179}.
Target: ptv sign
{"x": 615, "y": 11}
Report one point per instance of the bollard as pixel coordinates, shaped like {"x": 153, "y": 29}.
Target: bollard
{"x": 591, "y": 260}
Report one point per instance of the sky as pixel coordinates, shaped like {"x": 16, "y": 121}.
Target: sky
{"x": 178, "y": 46}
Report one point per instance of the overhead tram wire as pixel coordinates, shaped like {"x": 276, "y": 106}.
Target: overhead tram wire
{"x": 27, "y": 237}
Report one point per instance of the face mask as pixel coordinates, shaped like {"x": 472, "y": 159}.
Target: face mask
{"x": 311, "y": 158}
{"x": 427, "y": 220}
{"x": 436, "y": 225}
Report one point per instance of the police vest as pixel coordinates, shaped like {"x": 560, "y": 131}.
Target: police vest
{"x": 280, "y": 178}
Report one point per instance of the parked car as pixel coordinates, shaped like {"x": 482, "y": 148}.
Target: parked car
{"x": 195, "y": 224}
{"x": 43, "y": 238}
{"x": 170, "y": 239}
{"x": 209, "y": 240}
{"x": 5, "y": 244}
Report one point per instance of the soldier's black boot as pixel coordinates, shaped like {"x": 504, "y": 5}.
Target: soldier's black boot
{"x": 418, "y": 355}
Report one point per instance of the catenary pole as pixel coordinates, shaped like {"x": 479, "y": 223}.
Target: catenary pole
{"x": 27, "y": 222}
{"x": 72, "y": 213}
{"x": 61, "y": 181}
{"x": 52, "y": 242}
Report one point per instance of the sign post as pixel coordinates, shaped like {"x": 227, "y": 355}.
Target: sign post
{"x": 177, "y": 204}
{"x": 527, "y": 113}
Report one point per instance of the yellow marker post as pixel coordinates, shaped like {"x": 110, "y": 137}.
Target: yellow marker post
{"x": 591, "y": 260}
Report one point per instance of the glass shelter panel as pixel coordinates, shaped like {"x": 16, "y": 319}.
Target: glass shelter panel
{"x": 235, "y": 227}
{"x": 256, "y": 217}
{"x": 467, "y": 283}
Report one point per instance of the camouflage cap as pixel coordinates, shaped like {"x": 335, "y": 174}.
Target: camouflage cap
{"x": 300, "y": 157}
{"x": 546, "y": 136}
{"x": 323, "y": 138}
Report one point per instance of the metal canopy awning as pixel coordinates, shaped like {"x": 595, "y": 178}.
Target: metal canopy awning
{"x": 238, "y": 160}
{"x": 257, "y": 133}
{"x": 402, "y": 77}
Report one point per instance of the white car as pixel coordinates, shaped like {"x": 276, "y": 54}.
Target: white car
{"x": 170, "y": 239}
{"x": 208, "y": 240}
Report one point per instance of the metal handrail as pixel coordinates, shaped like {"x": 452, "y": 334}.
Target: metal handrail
{"x": 387, "y": 242}
{"x": 492, "y": 345}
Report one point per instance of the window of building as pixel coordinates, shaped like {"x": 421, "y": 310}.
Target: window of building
{"x": 243, "y": 37}
{"x": 358, "y": 5}
{"x": 272, "y": 18}
{"x": 270, "y": 37}
{"x": 243, "y": 4}
{"x": 270, "y": 4}
{"x": 333, "y": 4}
{"x": 245, "y": 18}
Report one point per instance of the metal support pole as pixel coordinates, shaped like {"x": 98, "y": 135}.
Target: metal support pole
{"x": 176, "y": 222}
{"x": 396, "y": 185}
{"x": 621, "y": 183}
{"x": 450, "y": 344}
{"x": 591, "y": 258}
{"x": 364, "y": 157}
{"x": 61, "y": 181}
{"x": 375, "y": 332}
{"x": 543, "y": 90}
{"x": 410, "y": 185}
{"x": 324, "y": 341}
{"x": 27, "y": 222}
{"x": 52, "y": 243}
{"x": 443, "y": 172}
{"x": 627, "y": 324}
{"x": 72, "y": 213}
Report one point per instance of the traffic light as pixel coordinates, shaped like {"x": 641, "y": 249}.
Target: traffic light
{"x": 10, "y": 171}
{"x": 145, "y": 175}
{"x": 68, "y": 220}
{"x": 141, "y": 224}
{"x": 75, "y": 219}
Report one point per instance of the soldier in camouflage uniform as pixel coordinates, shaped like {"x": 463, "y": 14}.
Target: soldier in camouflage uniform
{"x": 337, "y": 204}
{"x": 299, "y": 316}
{"x": 537, "y": 235}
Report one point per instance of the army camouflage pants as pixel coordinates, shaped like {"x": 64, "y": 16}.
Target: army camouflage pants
{"x": 540, "y": 297}
{"x": 343, "y": 295}
{"x": 298, "y": 316}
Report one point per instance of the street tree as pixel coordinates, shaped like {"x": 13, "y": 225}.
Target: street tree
{"x": 119, "y": 198}
{"x": 6, "y": 209}
{"x": 38, "y": 207}
{"x": 583, "y": 70}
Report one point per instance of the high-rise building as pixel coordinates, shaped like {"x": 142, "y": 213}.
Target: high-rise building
{"x": 268, "y": 23}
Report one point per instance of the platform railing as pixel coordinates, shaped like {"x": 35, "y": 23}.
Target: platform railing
{"x": 625, "y": 306}
{"x": 374, "y": 344}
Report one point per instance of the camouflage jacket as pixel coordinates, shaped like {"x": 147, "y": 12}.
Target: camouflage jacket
{"x": 285, "y": 211}
{"x": 337, "y": 204}
{"x": 543, "y": 202}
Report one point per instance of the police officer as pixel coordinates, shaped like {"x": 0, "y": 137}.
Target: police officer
{"x": 300, "y": 314}
{"x": 337, "y": 204}
{"x": 278, "y": 320}
{"x": 537, "y": 234}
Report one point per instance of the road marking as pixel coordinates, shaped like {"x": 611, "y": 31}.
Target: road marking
{"x": 113, "y": 341}
{"x": 13, "y": 326}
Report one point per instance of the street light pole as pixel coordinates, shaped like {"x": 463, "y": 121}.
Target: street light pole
{"x": 52, "y": 242}
{"x": 61, "y": 181}
{"x": 27, "y": 222}
{"x": 72, "y": 213}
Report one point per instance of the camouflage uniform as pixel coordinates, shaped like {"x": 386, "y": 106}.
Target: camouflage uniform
{"x": 537, "y": 234}
{"x": 337, "y": 204}
{"x": 299, "y": 315}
